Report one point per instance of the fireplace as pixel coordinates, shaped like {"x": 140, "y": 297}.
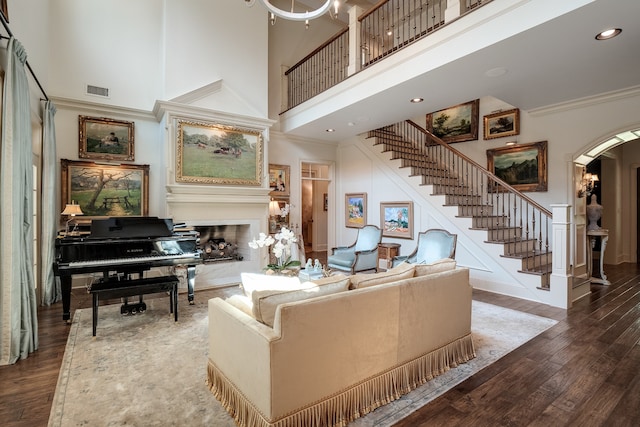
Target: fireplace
{"x": 221, "y": 243}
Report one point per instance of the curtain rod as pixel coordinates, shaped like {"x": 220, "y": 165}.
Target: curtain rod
{"x": 6, "y": 27}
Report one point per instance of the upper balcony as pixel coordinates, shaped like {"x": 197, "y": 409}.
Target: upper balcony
{"x": 528, "y": 53}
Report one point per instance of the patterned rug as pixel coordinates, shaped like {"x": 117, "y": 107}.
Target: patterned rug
{"x": 148, "y": 370}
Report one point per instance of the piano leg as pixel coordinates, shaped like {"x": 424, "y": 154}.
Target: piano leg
{"x": 65, "y": 285}
{"x": 191, "y": 282}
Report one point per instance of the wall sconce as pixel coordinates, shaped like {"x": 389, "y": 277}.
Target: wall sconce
{"x": 71, "y": 210}
{"x": 588, "y": 184}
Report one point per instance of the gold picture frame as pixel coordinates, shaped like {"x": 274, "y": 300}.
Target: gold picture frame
{"x": 279, "y": 180}
{"x": 396, "y": 219}
{"x": 213, "y": 153}
{"x": 355, "y": 210}
{"x": 101, "y": 138}
{"x": 104, "y": 190}
{"x": 455, "y": 124}
{"x": 523, "y": 166}
{"x": 502, "y": 124}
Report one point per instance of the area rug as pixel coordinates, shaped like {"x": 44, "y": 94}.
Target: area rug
{"x": 147, "y": 370}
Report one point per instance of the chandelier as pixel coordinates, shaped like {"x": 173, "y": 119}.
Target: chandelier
{"x": 297, "y": 16}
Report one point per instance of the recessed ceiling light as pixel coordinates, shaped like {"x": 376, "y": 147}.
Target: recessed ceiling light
{"x": 331, "y": 130}
{"x": 608, "y": 34}
{"x": 496, "y": 72}
{"x": 416, "y": 100}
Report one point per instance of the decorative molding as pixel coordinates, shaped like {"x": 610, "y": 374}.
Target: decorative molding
{"x": 177, "y": 110}
{"x": 101, "y": 109}
{"x": 199, "y": 93}
{"x": 586, "y": 102}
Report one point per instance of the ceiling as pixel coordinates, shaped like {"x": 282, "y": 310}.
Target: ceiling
{"x": 551, "y": 63}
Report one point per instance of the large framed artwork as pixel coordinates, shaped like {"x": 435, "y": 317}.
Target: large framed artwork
{"x": 355, "y": 209}
{"x": 396, "y": 219}
{"x": 455, "y": 124}
{"x": 279, "y": 180}
{"x": 523, "y": 166}
{"x": 4, "y": 10}
{"x": 106, "y": 139}
{"x": 210, "y": 153}
{"x": 501, "y": 124}
{"x": 106, "y": 190}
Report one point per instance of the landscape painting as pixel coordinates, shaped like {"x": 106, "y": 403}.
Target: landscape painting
{"x": 106, "y": 139}
{"x": 106, "y": 190}
{"x": 523, "y": 166}
{"x": 355, "y": 210}
{"x": 396, "y": 219}
{"x": 455, "y": 124}
{"x": 209, "y": 153}
{"x": 501, "y": 124}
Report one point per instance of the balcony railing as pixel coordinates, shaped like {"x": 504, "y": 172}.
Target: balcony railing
{"x": 386, "y": 28}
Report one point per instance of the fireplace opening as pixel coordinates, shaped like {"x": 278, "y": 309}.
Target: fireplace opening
{"x": 223, "y": 242}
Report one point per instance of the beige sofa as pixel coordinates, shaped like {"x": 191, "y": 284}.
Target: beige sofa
{"x": 329, "y": 359}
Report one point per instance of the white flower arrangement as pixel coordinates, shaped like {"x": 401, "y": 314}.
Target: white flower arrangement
{"x": 281, "y": 242}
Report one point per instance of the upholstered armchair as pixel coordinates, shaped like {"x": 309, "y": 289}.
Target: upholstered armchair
{"x": 361, "y": 255}
{"x": 432, "y": 245}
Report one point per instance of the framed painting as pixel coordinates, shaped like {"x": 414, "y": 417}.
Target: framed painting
{"x": 502, "y": 123}
{"x": 209, "y": 153}
{"x": 396, "y": 219}
{"x": 523, "y": 166}
{"x": 455, "y": 124}
{"x": 279, "y": 180}
{"x": 105, "y": 139}
{"x": 4, "y": 10}
{"x": 106, "y": 190}
{"x": 355, "y": 209}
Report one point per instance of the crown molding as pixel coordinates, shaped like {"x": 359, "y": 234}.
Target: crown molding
{"x": 586, "y": 102}
{"x": 198, "y": 94}
{"x": 101, "y": 109}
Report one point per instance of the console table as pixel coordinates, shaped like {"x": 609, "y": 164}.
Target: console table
{"x": 386, "y": 252}
{"x": 603, "y": 234}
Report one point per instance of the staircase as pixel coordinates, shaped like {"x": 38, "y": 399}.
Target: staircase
{"x": 510, "y": 219}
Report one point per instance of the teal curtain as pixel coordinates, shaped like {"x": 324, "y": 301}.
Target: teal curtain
{"x": 50, "y": 284}
{"x": 18, "y": 307}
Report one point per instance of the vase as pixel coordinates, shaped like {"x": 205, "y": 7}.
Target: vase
{"x": 594, "y": 213}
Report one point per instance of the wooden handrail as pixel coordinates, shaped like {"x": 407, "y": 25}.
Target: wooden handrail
{"x": 318, "y": 49}
{"x": 482, "y": 170}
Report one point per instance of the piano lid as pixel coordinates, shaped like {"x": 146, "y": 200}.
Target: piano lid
{"x": 131, "y": 227}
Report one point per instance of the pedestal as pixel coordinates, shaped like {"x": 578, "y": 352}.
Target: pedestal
{"x": 603, "y": 234}
{"x": 386, "y": 252}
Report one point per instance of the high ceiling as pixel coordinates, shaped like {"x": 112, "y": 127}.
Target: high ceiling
{"x": 551, "y": 63}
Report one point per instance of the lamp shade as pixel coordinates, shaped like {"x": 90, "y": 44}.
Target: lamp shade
{"x": 274, "y": 208}
{"x": 72, "y": 209}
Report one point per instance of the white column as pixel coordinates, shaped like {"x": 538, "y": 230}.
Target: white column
{"x": 355, "y": 50}
{"x": 561, "y": 279}
{"x": 454, "y": 9}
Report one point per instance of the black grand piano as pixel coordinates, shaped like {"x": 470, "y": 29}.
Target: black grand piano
{"x": 124, "y": 248}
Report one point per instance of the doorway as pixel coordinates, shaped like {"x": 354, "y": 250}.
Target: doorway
{"x": 315, "y": 202}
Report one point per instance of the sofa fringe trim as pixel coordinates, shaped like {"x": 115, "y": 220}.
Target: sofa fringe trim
{"x": 347, "y": 405}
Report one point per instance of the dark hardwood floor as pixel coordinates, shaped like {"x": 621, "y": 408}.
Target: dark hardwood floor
{"x": 583, "y": 371}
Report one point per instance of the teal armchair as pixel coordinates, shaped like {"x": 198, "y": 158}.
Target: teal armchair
{"x": 432, "y": 245}
{"x": 361, "y": 255}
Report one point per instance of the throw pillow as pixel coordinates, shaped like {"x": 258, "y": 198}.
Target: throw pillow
{"x": 252, "y": 282}
{"x": 265, "y": 303}
{"x": 242, "y": 303}
{"x": 435, "y": 267}
{"x": 402, "y": 271}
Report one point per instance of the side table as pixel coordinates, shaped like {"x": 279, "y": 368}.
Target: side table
{"x": 603, "y": 234}
{"x": 386, "y": 252}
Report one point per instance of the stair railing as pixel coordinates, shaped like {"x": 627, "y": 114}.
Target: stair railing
{"x": 509, "y": 216}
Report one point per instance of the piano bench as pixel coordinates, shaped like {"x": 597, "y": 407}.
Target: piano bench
{"x": 128, "y": 288}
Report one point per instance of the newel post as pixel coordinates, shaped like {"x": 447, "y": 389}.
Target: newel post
{"x": 454, "y": 9}
{"x": 561, "y": 280}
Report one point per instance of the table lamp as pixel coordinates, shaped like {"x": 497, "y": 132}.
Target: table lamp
{"x": 71, "y": 210}
{"x": 274, "y": 210}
